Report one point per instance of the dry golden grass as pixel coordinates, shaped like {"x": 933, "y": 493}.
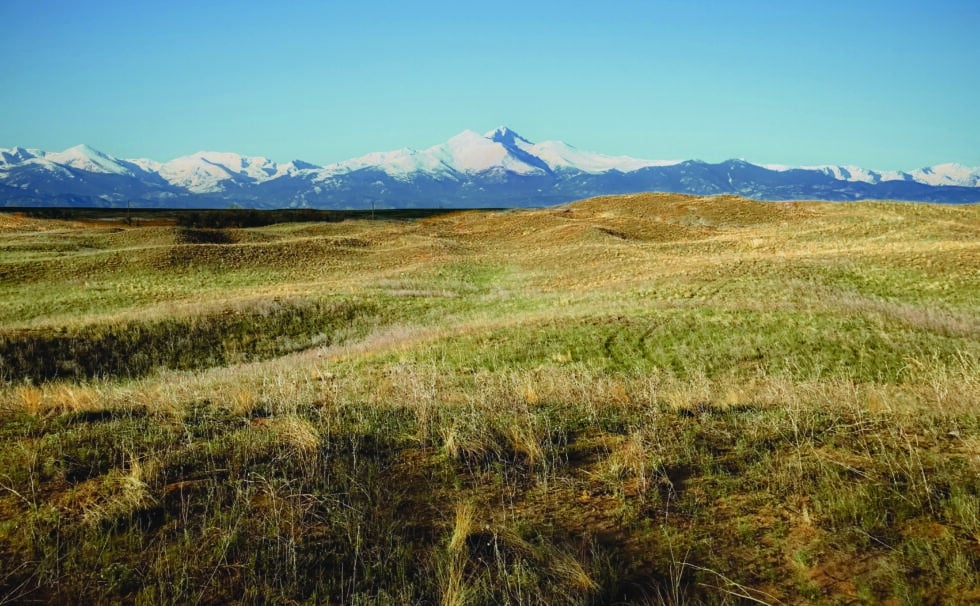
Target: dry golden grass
{"x": 295, "y": 434}
{"x": 650, "y": 397}
{"x": 30, "y": 398}
{"x": 117, "y": 495}
{"x": 454, "y": 583}
{"x": 649, "y": 241}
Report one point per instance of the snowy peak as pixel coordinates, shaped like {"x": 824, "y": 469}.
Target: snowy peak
{"x": 856, "y": 174}
{"x": 561, "y": 156}
{"x": 948, "y": 174}
{"x": 400, "y": 164}
{"x": 297, "y": 165}
{"x": 557, "y": 155}
{"x": 210, "y": 172}
{"x": 83, "y": 157}
{"x": 18, "y": 155}
{"x": 196, "y": 173}
{"x": 257, "y": 168}
{"x": 471, "y": 152}
{"x": 506, "y": 136}
{"x": 468, "y": 153}
{"x": 150, "y": 166}
{"x": 501, "y": 150}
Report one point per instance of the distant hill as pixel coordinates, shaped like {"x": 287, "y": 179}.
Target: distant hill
{"x": 496, "y": 169}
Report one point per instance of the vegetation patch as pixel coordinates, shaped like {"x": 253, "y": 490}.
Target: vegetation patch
{"x": 647, "y": 399}
{"x": 189, "y": 235}
{"x": 135, "y": 348}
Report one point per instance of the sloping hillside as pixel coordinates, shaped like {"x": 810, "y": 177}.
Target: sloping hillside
{"x": 644, "y": 399}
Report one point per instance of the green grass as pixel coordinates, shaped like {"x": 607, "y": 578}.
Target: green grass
{"x": 647, "y": 399}
{"x": 692, "y": 341}
{"x": 136, "y": 348}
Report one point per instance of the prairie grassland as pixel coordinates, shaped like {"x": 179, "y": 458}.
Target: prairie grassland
{"x": 651, "y": 399}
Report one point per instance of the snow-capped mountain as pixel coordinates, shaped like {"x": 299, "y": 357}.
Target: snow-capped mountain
{"x": 498, "y": 168}
{"x": 83, "y": 157}
{"x": 948, "y": 174}
{"x": 501, "y": 150}
{"x": 210, "y": 172}
{"x": 561, "y": 156}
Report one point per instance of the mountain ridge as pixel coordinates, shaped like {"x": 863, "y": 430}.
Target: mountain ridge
{"x": 497, "y": 168}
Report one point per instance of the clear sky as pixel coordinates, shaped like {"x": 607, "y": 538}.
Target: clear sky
{"x": 885, "y": 84}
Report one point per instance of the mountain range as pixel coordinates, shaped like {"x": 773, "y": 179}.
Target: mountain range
{"x": 496, "y": 169}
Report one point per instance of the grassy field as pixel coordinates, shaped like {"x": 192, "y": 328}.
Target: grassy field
{"x": 651, "y": 399}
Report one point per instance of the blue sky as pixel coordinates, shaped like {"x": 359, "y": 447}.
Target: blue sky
{"x": 882, "y": 84}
